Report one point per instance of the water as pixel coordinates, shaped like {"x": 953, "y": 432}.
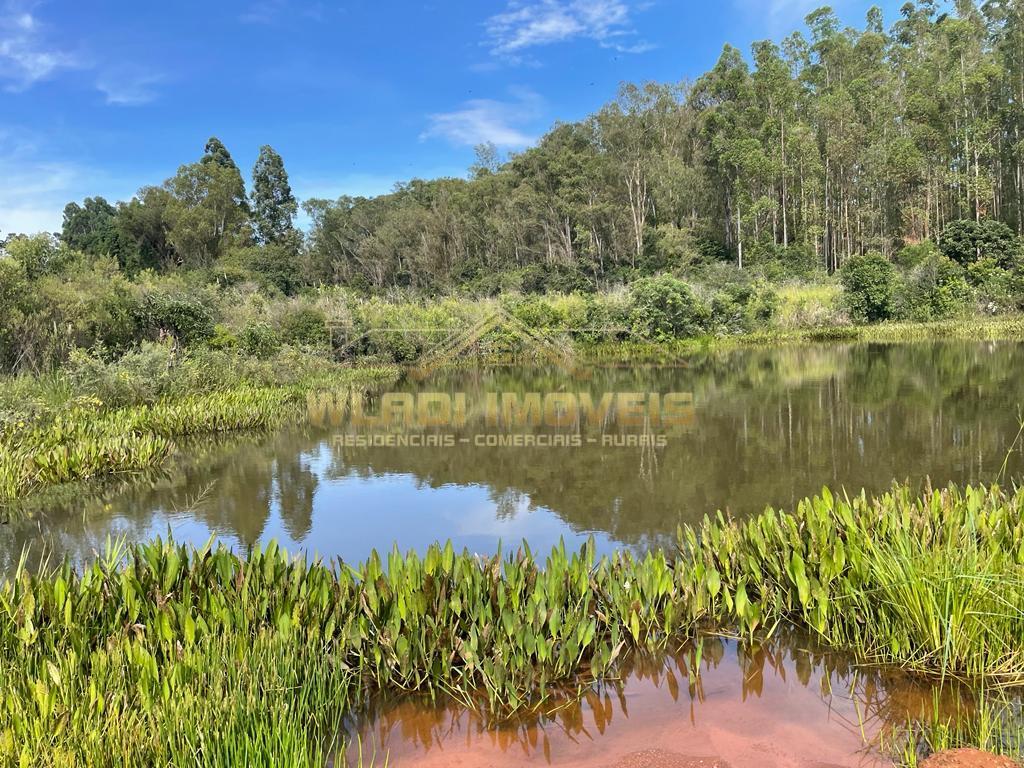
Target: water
{"x": 765, "y": 427}
{"x": 786, "y": 705}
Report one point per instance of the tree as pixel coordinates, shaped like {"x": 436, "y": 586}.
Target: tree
{"x": 143, "y": 226}
{"x": 215, "y": 153}
{"x": 206, "y": 212}
{"x": 273, "y": 204}
{"x": 91, "y": 227}
{"x": 870, "y": 283}
{"x": 966, "y": 241}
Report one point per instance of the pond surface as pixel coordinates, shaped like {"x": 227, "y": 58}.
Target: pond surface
{"x": 624, "y": 453}
{"x": 787, "y": 705}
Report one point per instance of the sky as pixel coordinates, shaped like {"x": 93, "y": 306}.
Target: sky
{"x": 103, "y": 97}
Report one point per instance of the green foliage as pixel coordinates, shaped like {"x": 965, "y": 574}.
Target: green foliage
{"x": 273, "y": 204}
{"x": 305, "y": 326}
{"x": 181, "y": 314}
{"x": 870, "y": 283}
{"x": 930, "y": 583}
{"x": 910, "y": 256}
{"x": 967, "y": 241}
{"x": 222, "y": 338}
{"x": 92, "y": 228}
{"x": 259, "y": 340}
{"x": 206, "y": 211}
{"x": 936, "y": 289}
{"x": 40, "y": 255}
{"x": 666, "y": 308}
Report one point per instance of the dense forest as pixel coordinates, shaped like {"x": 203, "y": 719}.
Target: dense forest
{"x": 895, "y": 158}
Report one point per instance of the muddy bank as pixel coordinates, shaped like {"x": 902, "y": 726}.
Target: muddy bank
{"x": 967, "y": 758}
{"x": 787, "y": 707}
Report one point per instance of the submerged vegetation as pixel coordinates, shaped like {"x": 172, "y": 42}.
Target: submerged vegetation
{"x": 161, "y": 654}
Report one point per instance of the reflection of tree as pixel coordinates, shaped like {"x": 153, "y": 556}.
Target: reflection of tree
{"x": 230, "y": 485}
{"x": 772, "y": 426}
{"x": 296, "y": 487}
{"x": 866, "y": 703}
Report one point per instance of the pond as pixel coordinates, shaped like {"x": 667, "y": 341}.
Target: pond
{"x": 783, "y": 705}
{"x": 623, "y": 452}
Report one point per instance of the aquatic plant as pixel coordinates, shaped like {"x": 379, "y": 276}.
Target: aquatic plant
{"x": 87, "y": 440}
{"x": 163, "y": 654}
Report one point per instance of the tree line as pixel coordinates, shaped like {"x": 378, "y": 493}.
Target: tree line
{"x": 836, "y": 142}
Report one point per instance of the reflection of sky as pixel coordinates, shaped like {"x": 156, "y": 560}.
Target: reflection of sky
{"x": 771, "y": 428}
{"x": 353, "y": 515}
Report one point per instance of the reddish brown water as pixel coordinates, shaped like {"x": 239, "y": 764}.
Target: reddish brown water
{"x": 761, "y": 708}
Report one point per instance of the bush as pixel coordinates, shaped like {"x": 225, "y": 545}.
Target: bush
{"x": 305, "y": 327}
{"x": 666, "y": 308}
{"x": 140, "y": 376}
{"x": 967, "y": 241}
{"x": 870, "y": 283}
{"x": 184, "y": 316}
{"x": 260, "y": 340}
{"x": 41, "y": 254}
{"x": 910, "y": 256}
{"x": 936, "y": 289}
{"x": 222, "y": 338}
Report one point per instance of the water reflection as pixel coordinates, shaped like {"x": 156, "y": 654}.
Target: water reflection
{"x": 769, "y": 427}
{"x": 787, "y": 704}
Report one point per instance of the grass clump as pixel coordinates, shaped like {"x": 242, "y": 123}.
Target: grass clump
{"x": 123, "y": 416}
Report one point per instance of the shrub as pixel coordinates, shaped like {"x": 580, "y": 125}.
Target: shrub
{"x": 13, "y": 289}
{"x": 666, "y": 308}
{"x": 533, "y": 311}
{"x": 910, "y": 256}
{"x": 140, "y": 376}
{"x": 181, "y": 314}
{"x": 259, "y": 340}
{"x": 305, "y": 327}
{"x": 936, "y": 289}
{"x": 967, "y": 241}
{"x": 870, "y": 283}
{"x": 222, "y": 338}
{"x": 41, "y": 254}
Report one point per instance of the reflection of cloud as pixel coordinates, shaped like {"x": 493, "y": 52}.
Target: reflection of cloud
{"x": 25, "y": 56}
{"x": 525, "y": 25}
{"x": 483, "y": 121}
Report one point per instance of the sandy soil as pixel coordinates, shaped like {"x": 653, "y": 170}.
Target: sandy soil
{"x": 967, "y": 758}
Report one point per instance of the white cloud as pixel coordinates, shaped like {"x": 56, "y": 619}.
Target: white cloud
{"x": 487, "y": 120}
{"x": 128, "y": 88}
{"x": 271, "y": 11}
{"x": 25, "y": 56}
{"x": 36, "y": 188}
{"x": 263, "y": 12}
{"x": 780, "y": 16}
{"x": 525, "y": 25}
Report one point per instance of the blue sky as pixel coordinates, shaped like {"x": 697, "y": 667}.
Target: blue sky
{"x": 102, "y": 97}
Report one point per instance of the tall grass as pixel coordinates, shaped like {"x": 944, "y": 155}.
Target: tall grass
{"x": 993, "y": 723}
